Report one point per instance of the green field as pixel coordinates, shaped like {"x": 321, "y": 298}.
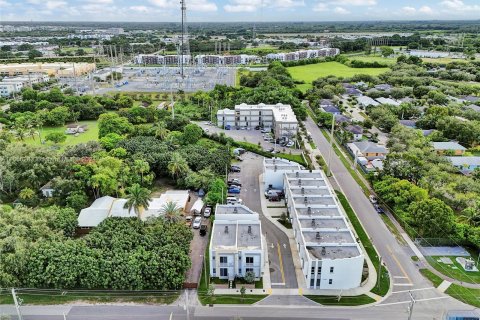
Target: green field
{"x": 311, "y": 72}
{"x": 89, "y": 135}
{"x": 389, "y": 61}
{"x": 454, "y": 270}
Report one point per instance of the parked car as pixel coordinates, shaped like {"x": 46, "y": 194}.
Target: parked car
{"x": 290, "y": 144}
{"x": 234, "y": 184}
{"x": 188, "y": 221}
{"x": 271, "y": 149}
{"x": 228, "y": 127}
{"x": 257, "y": 128}
{"x": 238, "y": 158}
{"x": 265, "y": 130}
{"x": 232, "y": 200}
{"x": 207, "y": 212}
{"x": 378, "y": 208}
{"x": 372, "y": 199}
{"x": 234, "y": 190}
{"x": 274, "y": 193}
{"x": 197, "y": 222}
{"x": 235, "y": 169}
{"x": 203, "y": 229}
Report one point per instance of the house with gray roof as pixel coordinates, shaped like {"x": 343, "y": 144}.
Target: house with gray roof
{"x": 451, "y": 146}
{"x": 465, "y": 164}
{"x": 356, "y": 130}
{"x": 331, "y": 109}
{"x": 473, "y": 107}
{"x": 366, "y": 101}
{"x": 383, "y": 87}
{"x": 409, "y": 123}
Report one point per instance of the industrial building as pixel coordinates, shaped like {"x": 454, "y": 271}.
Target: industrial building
{"x": 202, "y": 59}
{"x": 303, "y": 54}
{"x": 236, "y": 246}
{"x": 330, "y": 256}
{"x": 279, "y": 117}
{"x": 57, "y": 69}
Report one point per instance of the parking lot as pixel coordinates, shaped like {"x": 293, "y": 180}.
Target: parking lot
{"x": 252, "y": 136}
{"x": 282, "y": 270}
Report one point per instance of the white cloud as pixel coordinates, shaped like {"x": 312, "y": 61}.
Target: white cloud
{"x": 254, "y": 5}
{"x": 194, "y": 5}
{"x": 50, "y": 4}
{"x": 354, "y": 2}
{"x": 4, "y": 4}
{"x": 341, "y": 10}
{"x": 459, "y": 5}
{"x": 319, "y": 7}
{"x": 425, "y": 10}
{"x": 409, "y": 10}
{"x": 139, "y": 9}
{"x": 288, "y": 3}
{"x": 99, "y": 1}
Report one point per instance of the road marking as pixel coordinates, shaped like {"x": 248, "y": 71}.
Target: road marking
{"x": 398, "y": 263}
{"x": 284, "y": 246}
{"x": 403, "y": 284}
{"x": 281, "y": 262}
{"x": 429, "y": 288}
{"x": 278, "y": 284}
{"x": 409, "y": 301}
{"x": 399, "y": 277}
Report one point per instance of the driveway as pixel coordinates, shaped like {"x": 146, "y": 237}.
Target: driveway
{"x": 282, "y": 270}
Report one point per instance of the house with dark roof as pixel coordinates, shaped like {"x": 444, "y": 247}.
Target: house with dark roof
{"x": 409, "y": 123}
{"x": 366, "y": 101}
{"x": 331, "y": 109}
{"x": 326, "y": 103}
{"x": 428, "y": 132}
{"x": 473, "y": 107}
{"x": 353, "y": 92}
{"x": 339, "y": 118}
{"x": 356, "y": 130}
{"x": 450, "y": 146}
{"x": 368, "y": 150}
{"x": 472, "y": 99}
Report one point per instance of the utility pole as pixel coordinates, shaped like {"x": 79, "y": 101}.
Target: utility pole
{"x": 379, "y": 275}
{"x": 331, "y": 147}
{"x": 410, "y": 307}
{"x": 17, "y": 304}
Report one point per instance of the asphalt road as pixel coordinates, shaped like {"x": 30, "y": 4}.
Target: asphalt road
{"x": 282, "y": 274}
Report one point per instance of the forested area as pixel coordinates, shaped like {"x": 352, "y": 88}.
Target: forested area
{"x": 425, "y": 191}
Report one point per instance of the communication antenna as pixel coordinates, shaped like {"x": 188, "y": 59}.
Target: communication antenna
{"x": 184, "y": 44}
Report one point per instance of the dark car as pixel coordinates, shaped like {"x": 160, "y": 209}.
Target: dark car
{"x": 235, "y": 169}
{"x": 257, "y": 128}
{"x": 234, "y": 184}
{"x": 203, "y": 229}
{"x": 378, "y": 208}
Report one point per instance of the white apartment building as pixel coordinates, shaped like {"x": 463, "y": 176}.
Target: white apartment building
{"x": 279, "y": 117}
{"x": 274, "y": 171}
{"x": 8, "y": 89}
{"x": 303, "y": 54}
{"x": 330, "y": 255}
{"x": 28, "y": 79}
{"x": 236, "y": 246}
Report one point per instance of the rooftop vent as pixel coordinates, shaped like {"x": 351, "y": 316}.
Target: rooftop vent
{"x": 305, "y": 199}
{"x": 324, "y": 251}
{"x": 297, "y": 174}
{"x": 303, "y": 190}
{"x": 249, "y": 230}
{"x": 275, "y": 168}
{"x": 313, "y": 222}
{"x": 226, "y": 229}
{"x": 299, "y": 182}
{"x": 317, "y": 236}
{"x": 309, "y": 210}
{"x": 235, "y": 210}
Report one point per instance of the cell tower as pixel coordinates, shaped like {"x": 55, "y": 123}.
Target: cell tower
{"x": 184, "y": 44}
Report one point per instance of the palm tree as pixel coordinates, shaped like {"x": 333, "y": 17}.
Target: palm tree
{"x": 162, "y": 131}
{"x": 171, "y": 212}
{"x": 177, "y": 166}
{"x": 137, "y": 198}
{"x": 471, "y": 215}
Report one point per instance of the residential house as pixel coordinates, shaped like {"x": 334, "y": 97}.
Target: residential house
{"x": 331, "y": 109}
{"x": 352, "y": 92}
{"x": 236, "y": 246}
{"x": 361, "y": 85}
{"x": 355, "y": 130}
{"x": 409, "y": 123}
{"x": 465, "y": 164}
{"x": 450, "y": 146}
{"x": 367, "y": 149}
{"x": 47, "y": 190}
{"x": 383, "y": 87}
{"x": 428, "y": 132}
{"x": 366, "y": 101}
{"x": 471, "y": 99}
{"x": 326, "y": 103}
{"x": 473, "y": 107}
{"x": 390, "y": 101}
{"x": 75, "y": 128}
{"x": 339, "y": 118}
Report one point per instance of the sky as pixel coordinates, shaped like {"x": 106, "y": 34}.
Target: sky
{"x": 238, "y": 10}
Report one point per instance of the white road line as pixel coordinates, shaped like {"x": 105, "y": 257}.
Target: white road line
{"x": 420, "y": 289}
{"x": 409, "y": 301}
{"x": 278, "y": 284}
{"x": 399, "y": 277}
{"x": 403, "y": 284}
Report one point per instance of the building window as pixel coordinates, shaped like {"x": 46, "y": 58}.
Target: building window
{"x": 223, "y": 272}
{"x": 312, "y": 283}
{"x": 249, "y": 270}
{"x": 313, "y": 270}
{"x": 319, "y": 270}
{"x": 330, "y": 281}
{"x": 331, "y": 269}
{"x": 214, "y": 271}
{"x": 249, "y": 259}
{"x": 318, "y": 283}
{"x": 223, "y": 259}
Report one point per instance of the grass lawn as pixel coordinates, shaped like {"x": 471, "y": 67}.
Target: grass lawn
{"x": 230, "y": 298}
{"x": 344, "y": 301}
{"x": 90, "y": 135}
{"x": 51, "y": 297}
{"x": 381, "y": 289}
{"x": 311, "y": 72}
{"x": 443, "y": 60}
{"x": 434, "y": 279}
{"x": 454, "y": 270}
{"x": 467, "y": 295}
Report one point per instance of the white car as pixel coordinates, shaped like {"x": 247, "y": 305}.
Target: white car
{"x": 197, "y": 222}
{"x": 290, "y": 144}
{"x": 372, "y": 199}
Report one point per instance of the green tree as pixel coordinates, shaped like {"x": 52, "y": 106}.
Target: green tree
{"x": 249, "y": 277}
{"x": 178, "y": 166}
{"x": 386, "y": 51}
{"x": 431, "y": 217}
{"x": 110, "y": 140}
{"x": 113, "y": 123}
{"x": 171, "y": 212}
{"x": 161, "y": 131}
{"x": 243, "y": 291}
{"x": 138, "y": 198}
{"x": 56, "y": 137}
{"x": 192, "y": 133}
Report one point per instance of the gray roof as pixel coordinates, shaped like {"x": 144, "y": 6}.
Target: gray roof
{"x": 342, "y": 118}
{"x": 366, "y": 101}
{"x": 473, "y": 107}
{"x": 408, "y": 123}
{"x": 354, "y": 129}
{"x": 383, "y": 86}
{"x": 450, "y": 145}
{"x": 370, "y": 147}
{"x": 326, "y": 102}
{"x": 467, "y": 161}
{"x": 330, "y": 109}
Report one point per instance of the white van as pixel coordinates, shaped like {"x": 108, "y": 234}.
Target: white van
{"x": 231, "y": 200}
{"x": 197, "y": 207}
